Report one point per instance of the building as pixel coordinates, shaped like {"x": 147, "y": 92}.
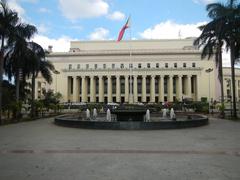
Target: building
{"x": 153, "y": 70}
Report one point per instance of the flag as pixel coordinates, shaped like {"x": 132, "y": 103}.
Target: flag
{"x": 121, "y": 33}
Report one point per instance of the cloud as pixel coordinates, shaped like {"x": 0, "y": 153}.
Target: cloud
{"x": 116, "y": 16}
{"x": 61, "y": 44}
{"x": 42, "y": 28}
{"x": 204, "y": 1}
{"x": 44, "y": 10}
{"x": 14, "y": 4}
{"x": 99, "y": 34}
{"x": 77, "y": 9}
{"x": 171, "y": 30}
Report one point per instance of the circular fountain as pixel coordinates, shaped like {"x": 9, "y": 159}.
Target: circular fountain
{"x": 132, "y": 117}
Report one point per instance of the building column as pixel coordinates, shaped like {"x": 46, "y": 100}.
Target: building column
{"x": 152, "y": 89}
{"x": 118, "y": 89}
{"x": 92, "y": 89}
{"x": 161, "y": 89}
{"x": 126, "y": 89}
{"x": 197, "y": 89}
{"x": 189, "y": 92}
{"x": 135, "y": 93}
{"x": 109, "y": 89}
{"x": 144, "y": 89}
{"x": 179, "y": 89}
{"x": 101, "y": 89}
{"x": 170, "y": 88}
{"x": 68, "y": 88}
{"x": 75, "y": 89}
{"x": 84, "y": 89}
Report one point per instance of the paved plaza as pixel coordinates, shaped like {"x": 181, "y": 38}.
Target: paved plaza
{"x": 41, "y": 150}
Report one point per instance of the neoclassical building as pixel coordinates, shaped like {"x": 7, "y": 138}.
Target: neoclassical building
{"x": 145, "y": 71}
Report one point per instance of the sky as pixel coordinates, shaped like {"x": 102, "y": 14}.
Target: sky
{"x": 61, "y": 21}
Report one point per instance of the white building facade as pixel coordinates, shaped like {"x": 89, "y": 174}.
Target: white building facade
{"x": 148, "y": 71}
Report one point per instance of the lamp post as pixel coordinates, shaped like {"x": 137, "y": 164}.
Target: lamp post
{"x": 56, "y": 73}
{"x": 209, "y": 88}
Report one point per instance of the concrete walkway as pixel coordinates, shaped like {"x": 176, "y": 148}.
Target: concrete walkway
{"x": 41, "y": 150}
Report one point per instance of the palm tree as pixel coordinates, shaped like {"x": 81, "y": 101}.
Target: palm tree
{"x": 212, "y": 42}
{"x": 38, "y": 64}
{"x": 225, "y": 26}
{"x": 17, "y": 53}
{"x": 8, "y": 22}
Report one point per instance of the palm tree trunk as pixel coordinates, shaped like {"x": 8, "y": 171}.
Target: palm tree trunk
{"x": 221, "y": 80}
{"x": 1, "y": 82}
{"x": 33, "y": 96}
{"x": 232, "y": 50}
{"x": 1, "y": 75}
{"x": 17, "y": 83}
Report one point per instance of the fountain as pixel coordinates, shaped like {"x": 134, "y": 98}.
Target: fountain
{"x": 87, "y": 114}
{"x": 164, "y": 115}
{"x": 94, "y": 113}
{"x": 172, "y": 114}
{"x": 129, "y": 117}
{"x": 147, "y": 115}
{"x": 108, "y": 115}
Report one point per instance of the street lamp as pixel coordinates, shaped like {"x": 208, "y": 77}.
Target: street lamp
{"x": 209, "y": 90}
{"x": 56, "y": 73}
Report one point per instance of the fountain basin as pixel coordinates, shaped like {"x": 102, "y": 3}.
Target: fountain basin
{"x": 182, "y": 122}
{"x": 129, "y": 115}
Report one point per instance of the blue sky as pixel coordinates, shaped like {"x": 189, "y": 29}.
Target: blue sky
{"x": 60, "y": 21}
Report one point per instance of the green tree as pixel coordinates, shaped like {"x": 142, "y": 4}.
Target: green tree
{"x": 18, "y": 54}
{"x": 8, "y": 22}
{"x": 38, "y": 65}
{"x": 13, "y": 36}
{"x": 224, "y": 28}
{"x": 212, "y": 42}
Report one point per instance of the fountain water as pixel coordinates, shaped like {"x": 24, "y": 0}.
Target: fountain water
{"x": 147, "y": 115}
{"x": 164, "y": 113}
{"x": 109, "y": 115}
{"x": 172, "y": 114}
{"x": 94, "y": 113}
{"x": 87, "y": 114}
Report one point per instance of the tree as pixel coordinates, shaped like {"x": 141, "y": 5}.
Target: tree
{"x": 212, "y": 42}
{"x": 8, "y": 22}
{"x": 38, "y": 65}
{"x": 225, "y": 26}
{"x": 17, "y": 55}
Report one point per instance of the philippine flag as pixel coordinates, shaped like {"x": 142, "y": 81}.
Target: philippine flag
{"x": 121, "y": 33}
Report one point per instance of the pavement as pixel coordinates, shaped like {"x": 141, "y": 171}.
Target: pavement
{"x": 41, "y": 150}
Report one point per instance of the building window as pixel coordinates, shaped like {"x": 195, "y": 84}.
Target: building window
{"x": 113, "y": 66}
{"x": 148, "y": 65}
{"x": 157, "y": 65}
{"x": 104, "y": 66}
{"x": 139, "y": 65}
{"x": 95, "y": 66}
{"x": 166, "y": 65}
{"x": 87, "y": 66}
{"x": 193, "y": 64}
{"x": 184, "y": 65}
{"x": 78, "y": 66}
{"x": 70, "y": 66}
{"x": 175, "y": 65}
{"x": 122, "y": 66}
{"x": 131, "y": 65}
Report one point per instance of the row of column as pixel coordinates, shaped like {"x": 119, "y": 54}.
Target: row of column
{"x": 127, "y": 97}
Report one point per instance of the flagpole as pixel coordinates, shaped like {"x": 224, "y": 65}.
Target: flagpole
{"x": 130, "y": 65}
